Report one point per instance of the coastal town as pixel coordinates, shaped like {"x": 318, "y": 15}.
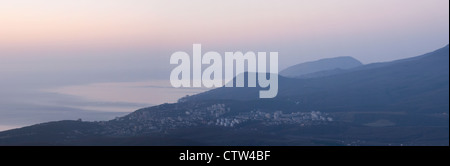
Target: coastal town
{"x": 219, "y": 115}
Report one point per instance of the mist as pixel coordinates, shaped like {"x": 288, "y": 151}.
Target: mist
{"x": 71, "y": 60}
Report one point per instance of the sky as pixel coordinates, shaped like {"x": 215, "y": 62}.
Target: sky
{"x": 310, "y": 29}
{"x": 53, "y": 49}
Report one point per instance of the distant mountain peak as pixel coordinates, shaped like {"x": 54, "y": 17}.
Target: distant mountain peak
{"x": 342, "y": 62}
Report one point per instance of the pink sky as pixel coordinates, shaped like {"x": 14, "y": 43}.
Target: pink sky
{"x": 86, "y": 24}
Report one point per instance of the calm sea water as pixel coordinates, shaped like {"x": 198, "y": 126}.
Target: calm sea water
{"x": 89, "y": 102}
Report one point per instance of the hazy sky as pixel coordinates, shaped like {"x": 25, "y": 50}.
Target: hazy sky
{"x": 71, "y": 44}
{"x": 299, "y": 29}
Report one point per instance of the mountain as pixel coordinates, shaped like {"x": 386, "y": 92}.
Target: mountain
{"x": 403, "y": 102}
{"x": 329, "y": 64}
{"x": 418, "y": 84}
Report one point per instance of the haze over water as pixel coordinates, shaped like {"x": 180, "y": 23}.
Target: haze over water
{"x": 100, "y": 59}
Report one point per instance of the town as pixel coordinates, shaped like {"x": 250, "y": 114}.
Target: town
{"x": 218, "y": 115}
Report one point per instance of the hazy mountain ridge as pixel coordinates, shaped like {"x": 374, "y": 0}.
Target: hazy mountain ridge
{"x": 369, "y": 86}
{"x": 328, "y": 64}
{"x": 403, "y": 102}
